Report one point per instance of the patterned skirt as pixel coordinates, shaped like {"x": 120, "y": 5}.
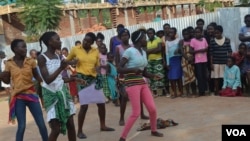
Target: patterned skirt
{"x": 188, "y": 72}
{"x": 105, "y": 86}
{"x": 188, "y": 69}
{"x": 156, "y": 67}
{"x": 91, "y": 92}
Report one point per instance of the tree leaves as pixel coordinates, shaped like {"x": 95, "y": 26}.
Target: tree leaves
{"x": 40, "y": 15}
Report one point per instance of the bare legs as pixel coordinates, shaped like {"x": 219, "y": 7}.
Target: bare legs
{"x": 81, "y": 118}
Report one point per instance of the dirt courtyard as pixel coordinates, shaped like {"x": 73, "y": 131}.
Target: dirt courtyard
{"x": 199, "y": 119}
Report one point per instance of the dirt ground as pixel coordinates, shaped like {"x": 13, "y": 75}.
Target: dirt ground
{"x": 199, "y": 119}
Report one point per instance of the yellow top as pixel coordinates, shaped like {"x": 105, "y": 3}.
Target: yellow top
{"x": 154, "y": 44}
{"x": 87, "y": 61}
{"x": 21, "y": 78}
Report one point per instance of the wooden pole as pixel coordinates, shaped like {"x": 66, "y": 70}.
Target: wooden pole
{"x": 182, "y": 10}
{"x": 146, "y": 14}
{"x": 154, "y": 9}
{"x": 189, "y": 9}
{"x": 100, "y": 15}
{"x": 174, "y": 11}
{"x": 133, "y": 12}
{"x": 89, "y": 18}
{"x": 164, "y": 12}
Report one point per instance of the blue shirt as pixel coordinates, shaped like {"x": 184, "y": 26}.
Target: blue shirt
{"x": 232, "y": 77}
{"x": 246, "y": 32}
{"x": 135, "y": 58}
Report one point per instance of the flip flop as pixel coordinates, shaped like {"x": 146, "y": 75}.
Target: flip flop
{"x": 107, "y": 129}
{"x": 81, "y": 136}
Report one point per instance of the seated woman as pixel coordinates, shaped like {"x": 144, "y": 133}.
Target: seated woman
{"x": 231, "y": 84}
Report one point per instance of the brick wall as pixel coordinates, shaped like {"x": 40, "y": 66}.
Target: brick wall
{"x": 13, "y": 28}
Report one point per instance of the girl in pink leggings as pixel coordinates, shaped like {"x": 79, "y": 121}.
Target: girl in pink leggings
{"x": 133, "y": 65}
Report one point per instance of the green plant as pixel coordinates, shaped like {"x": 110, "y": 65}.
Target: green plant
{"x": 40, "y": 16}
{"x": 210, "y": 6}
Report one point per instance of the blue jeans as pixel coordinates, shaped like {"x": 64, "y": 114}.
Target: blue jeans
{"x": 36, "y": 111}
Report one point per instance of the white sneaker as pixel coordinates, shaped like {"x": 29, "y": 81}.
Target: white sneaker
{"x": 168, "y": 95}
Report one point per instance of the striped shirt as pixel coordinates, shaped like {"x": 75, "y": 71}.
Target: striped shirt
{"x": 220, "y": 53}
{"x": 132, "y": 79}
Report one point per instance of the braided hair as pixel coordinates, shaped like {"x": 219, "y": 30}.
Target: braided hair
{"x": 45, "y": 39}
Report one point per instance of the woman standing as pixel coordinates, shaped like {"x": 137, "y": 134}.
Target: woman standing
{"x": 199, "y": 48}
{"x": 133, "y": 65}
{"x": 115, "y": 40}
{"x": 20, "y": 70}
{"x": 187, "y": 63}
{"x": 173, "y": 58}
{"x": 155, "y": 61}
{"x": 57, "y": 100}
{"x": 87, "y": 66}
{"x": 220, "y": 50}
{"x": 124, "y": 35}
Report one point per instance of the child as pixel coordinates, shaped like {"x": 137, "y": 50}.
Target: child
{"x": 199, "y": 49}
{"x": 57, "y": 100}
{"x": 112, "y": 76}
{"x": 70, "y": 71}
{"x": 231, "y": 83}
{"x": 20, "y": 70}
{"x": 239, "y": 61}
{"x": 187, "y": 63}
{"x": 103, "y": 71}
{"x": 240, "y": 55}
{"x": 174, "y": 62}
{"x": 99, "y": 39}
{"x": 6, "y": 87}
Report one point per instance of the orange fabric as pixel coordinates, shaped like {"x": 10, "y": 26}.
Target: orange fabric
{"x": 21, "y": 78}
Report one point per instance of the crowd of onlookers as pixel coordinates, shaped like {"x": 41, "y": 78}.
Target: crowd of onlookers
{"x": 202, "y": 62}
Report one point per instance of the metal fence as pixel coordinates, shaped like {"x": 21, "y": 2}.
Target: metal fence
{"x": 230, "y": 18}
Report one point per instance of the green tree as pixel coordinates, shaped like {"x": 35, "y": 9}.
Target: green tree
{"x": 244, "y": 3}
{"x": 209, "y": 6}
{"x": 40, "y": 16}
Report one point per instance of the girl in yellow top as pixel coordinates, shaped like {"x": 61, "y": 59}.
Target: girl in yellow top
{"x": 86, "y": 67}
{"x": 20, "y": 70}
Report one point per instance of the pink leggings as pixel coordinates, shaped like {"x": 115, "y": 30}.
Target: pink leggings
{"x": 136, "y": 94}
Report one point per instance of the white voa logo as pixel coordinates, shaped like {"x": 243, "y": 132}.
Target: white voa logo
{"x": 236, "y": 132}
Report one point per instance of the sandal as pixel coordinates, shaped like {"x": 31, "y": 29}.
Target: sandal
{"x": 122, "y": 139}
{"x": 81, "y": 136}
{"x": 107, "y": 129}
{"x": 156, "y": 134}
{"x": 121, "y": 123}
{"x": 144, "y": 117}
{"x": 172, "y": 96}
